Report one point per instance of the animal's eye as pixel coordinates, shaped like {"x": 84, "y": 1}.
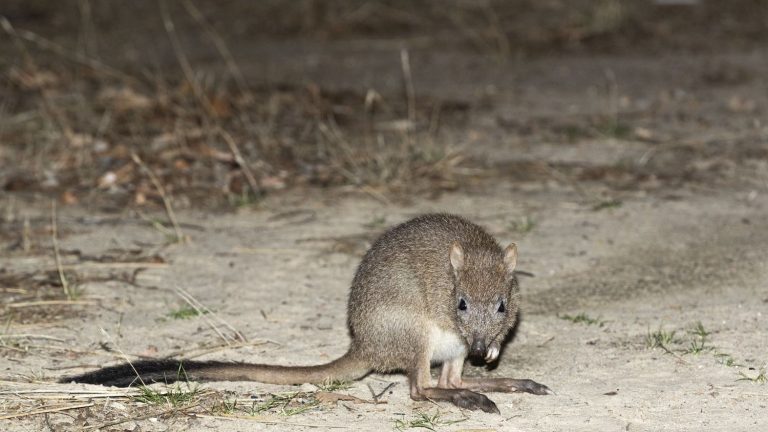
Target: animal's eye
{"x": 462, "y": 305}
{"x": 502, "y": 308}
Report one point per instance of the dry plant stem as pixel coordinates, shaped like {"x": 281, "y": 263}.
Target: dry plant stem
{"x": 376, "y": 195}
{"x": 191, "y": 302}
{"x": 501, "y": 38}
{"x": 30, "y": 336}
{"x": 70, "y": 394}
{"x": 47, "y": 410}
{"x": 86, "y": 37}
{"x": 49, "y": 303}
{"x": 26, "y": 243}
{"x": 180, "y": 237}
{"x": 410, "y": 93}
{"x": 125, "y": 420}
{"x": 200, "y": 308}
{"x": 57, "y": 255}
{"x": 332, "y": 133}
{"x": 50, "y": 107}
{"x": 125, "y": 357}
{"x": 115, "y": 265}
{"x": 455, "y": 15}
{"x": 558, "y": 176}
{"x": 241, "y": 162}
{"x": 221, "y": 47}
{"x": 377, "y": 396}
{"x": 186, "y": 66}
{"x": 47, "y": 45}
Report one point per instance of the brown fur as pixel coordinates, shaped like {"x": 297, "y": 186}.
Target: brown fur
{"x": 428, "y": 291}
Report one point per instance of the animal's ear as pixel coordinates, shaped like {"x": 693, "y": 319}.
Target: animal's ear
{"x": 510, "y": 258}
{"x": 457, "y": 256}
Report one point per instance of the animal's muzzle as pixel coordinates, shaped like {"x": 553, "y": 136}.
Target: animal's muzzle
{"x": 478, "y": 348}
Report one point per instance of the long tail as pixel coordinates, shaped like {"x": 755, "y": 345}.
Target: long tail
{"x": 345, "y": 368}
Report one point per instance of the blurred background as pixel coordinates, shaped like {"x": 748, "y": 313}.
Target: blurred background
{"x": 227, "y": 102}
{"x": 178, "y": 178}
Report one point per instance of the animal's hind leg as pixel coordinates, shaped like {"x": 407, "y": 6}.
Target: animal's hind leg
{"x": 505, "y": 385}
{"x": 421, "y": 389}
{"x": 450, "y": 374}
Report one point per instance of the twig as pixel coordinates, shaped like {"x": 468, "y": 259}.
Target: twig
{"x": 241, "y": 162}
{"x": 50, "y": 107}
{"x": 502, "y": 41}
{"x": 49, "y": 303}
{"x": 47, "y": 410}
{"x": 405, "y": 63}
{"x": 30, "y": 336}
{"x": 376, "y": 396}
{"x": 378, "y": 196}
{"x": 186, "y": 66}
{"x": 26, "y": 243}
{"x": 127, "y": 419}
{"x": 74, "y": 393}
{"x": 221, "y": 47}
{"x": 115, "y": 265}
{"x": 192, "y": 303}
{"x": 86, "y": 38}
{"x": 334, "y": 136}
{"x": 125, "y": 357}
{"x": 195, "y": 304}
{"x": 57, "y": 255}
{"x": 48, "y": 45}
{"x": 180, "y": 237}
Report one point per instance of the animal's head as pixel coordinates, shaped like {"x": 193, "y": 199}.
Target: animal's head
{"x": 486, "y": 295}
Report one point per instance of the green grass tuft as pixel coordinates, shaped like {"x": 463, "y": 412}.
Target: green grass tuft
{"x": 175, "y": 396}
{"x": 425, "y": 421}
{"x": 287, "y": 404}
{"x": 523, "y": 225}
{"x": 726, "y": 360}
{"x": 377, "y": 222}
{"x": 185, "y": 312}
{"x": 698, "y": 343}
{"x": 334, "y": 385}
{"x": 660, "y": 339}
{"x": 582, "y": 318}
{"x": 607, "y": 204}
{"x": 760, "y": 378}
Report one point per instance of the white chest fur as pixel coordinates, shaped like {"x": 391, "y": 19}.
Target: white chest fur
{"x": 446, "y": 345}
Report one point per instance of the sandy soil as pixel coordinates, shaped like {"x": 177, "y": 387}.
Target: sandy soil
{"x": 661, "y": 229}
{"x": 281, "y": 274}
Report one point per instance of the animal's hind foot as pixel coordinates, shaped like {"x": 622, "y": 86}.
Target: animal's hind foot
{"x": 506, "y": 385}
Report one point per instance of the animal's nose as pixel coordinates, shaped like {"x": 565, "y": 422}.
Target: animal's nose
{"x": 478, "y": 347}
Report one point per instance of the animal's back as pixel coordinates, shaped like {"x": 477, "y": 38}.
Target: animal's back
{"x": 405, "y": 278}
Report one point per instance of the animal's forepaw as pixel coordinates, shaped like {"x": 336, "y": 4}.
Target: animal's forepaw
{"x": 492, "y": 354}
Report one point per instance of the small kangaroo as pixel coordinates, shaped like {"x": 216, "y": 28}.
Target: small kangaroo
{"x": 433, "y": 290}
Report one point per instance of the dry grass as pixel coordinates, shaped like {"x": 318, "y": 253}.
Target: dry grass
{"x": 72, "y": 121}
{"x": 93, "y": 409}
{"x": 82, "y": 131}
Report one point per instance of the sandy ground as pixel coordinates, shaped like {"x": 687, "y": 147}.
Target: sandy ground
{"x": 281, "y": 274}
{"x": 687, "y": 246}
